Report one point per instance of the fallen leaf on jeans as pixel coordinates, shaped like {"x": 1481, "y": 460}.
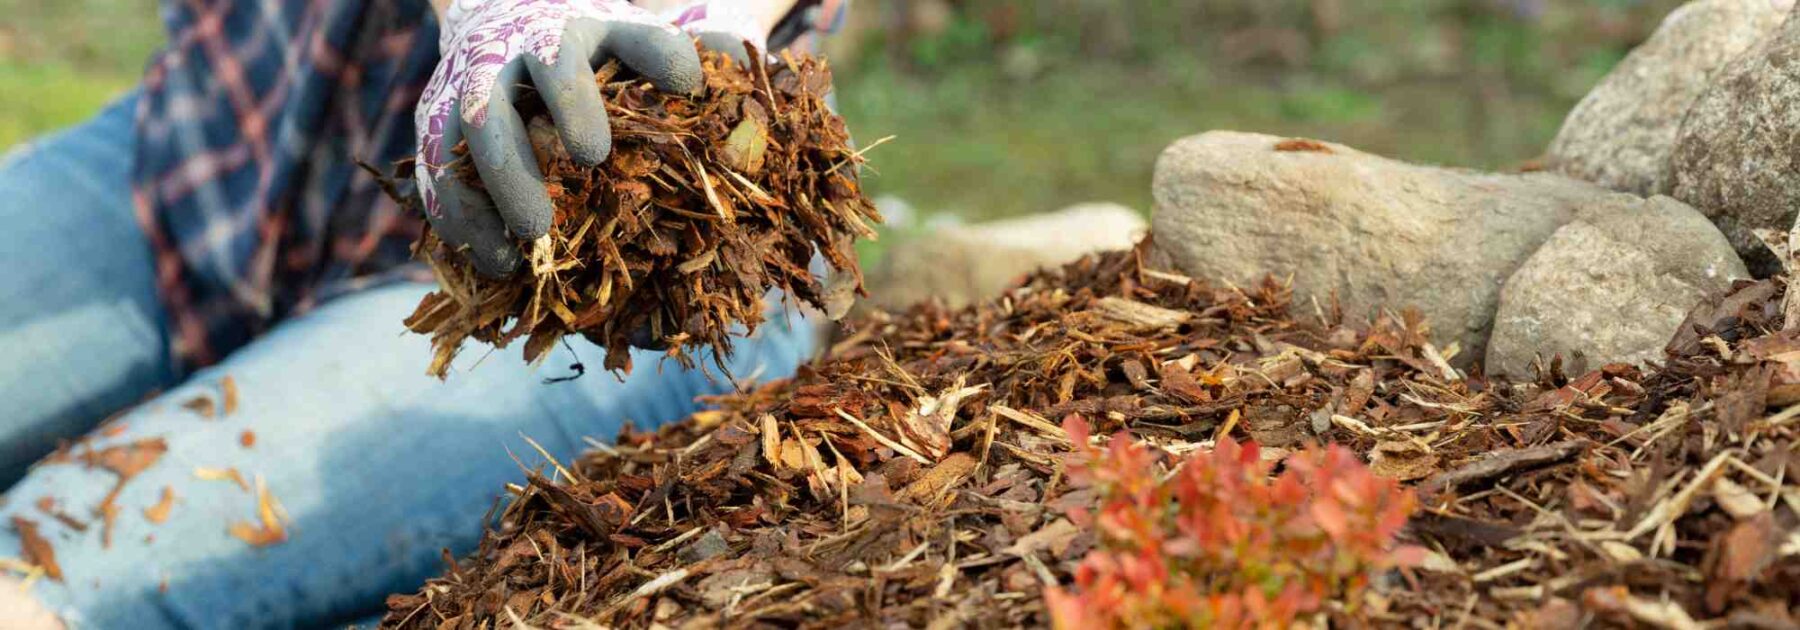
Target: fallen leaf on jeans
{"x": 268, "y": 529}
{"x": 222, "y": 474}
{"x": 200, "y": 405}
{"x": 127, "y": 460}
{"x": 228, "y": 388}
{"x": 47, "y": 505}
{"x": 160, "y": 512}
{"x": 36, "y": 549}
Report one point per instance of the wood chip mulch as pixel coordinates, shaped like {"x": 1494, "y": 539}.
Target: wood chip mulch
{"x": 914, "y": 476}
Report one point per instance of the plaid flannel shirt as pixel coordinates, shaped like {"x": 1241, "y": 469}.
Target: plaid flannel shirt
{"x": 249, "y": 129}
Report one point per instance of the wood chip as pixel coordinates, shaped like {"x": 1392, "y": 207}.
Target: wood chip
{"x": 160, "y": 512}
{"x": 36, "y": 548}
{"x": 267, "y": 529}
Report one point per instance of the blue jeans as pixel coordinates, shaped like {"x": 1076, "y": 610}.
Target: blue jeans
{"x": 378, "y": 467}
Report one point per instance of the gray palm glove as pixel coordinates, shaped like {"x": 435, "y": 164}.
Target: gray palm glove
{"x": 552, "y": 46}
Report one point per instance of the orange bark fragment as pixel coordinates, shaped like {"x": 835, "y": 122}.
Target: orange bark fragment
{"x": 268, "y": 530}
{"x": 1301, "y": 145}
{"x": 230, "y": 391}
{"x": 160, "y": 512}
{"x": 36, "y": 548}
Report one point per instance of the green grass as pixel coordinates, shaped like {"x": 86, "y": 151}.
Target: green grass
{"x": 36, "y": 98}
{"x": 975, "y": 144}
{"x": 61, "y": 60}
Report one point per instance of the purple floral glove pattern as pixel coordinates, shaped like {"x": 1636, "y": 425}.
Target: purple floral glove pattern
{"x": 724, "y": 17}
{"x": 479, "y": 38}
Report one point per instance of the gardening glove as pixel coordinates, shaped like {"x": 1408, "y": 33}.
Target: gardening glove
{"x": 722, "y": 25}
{"x": 492, "y": 50}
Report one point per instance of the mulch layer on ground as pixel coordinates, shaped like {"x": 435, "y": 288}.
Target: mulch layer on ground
{"x": 915, "y": 475}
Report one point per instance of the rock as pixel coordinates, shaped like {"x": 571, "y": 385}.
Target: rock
{"x": 1377, "y": 232}
{"x": 1621, "y": 135}
{"x": 1739, "y": 148}
{"x": 1610, "y": 287}
{"x": 966, "y": 263}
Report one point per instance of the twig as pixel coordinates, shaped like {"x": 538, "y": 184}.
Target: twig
{"x": 896, "y": 446}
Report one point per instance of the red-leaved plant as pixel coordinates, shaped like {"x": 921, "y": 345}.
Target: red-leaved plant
{"x": 1220, "y": 542}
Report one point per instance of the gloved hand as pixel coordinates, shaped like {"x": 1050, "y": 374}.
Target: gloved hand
{"x": 722, "y": 25}
{"x": 491, "y": 49}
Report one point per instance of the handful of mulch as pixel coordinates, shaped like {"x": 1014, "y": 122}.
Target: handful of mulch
{"x": 706, "y": 204}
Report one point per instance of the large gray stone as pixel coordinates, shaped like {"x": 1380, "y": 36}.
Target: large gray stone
{"x": 1611, "y": 286}
{"x": 1739, "y": 149}
{"x": 1621, "y": 135}
{"x": 1375, "y": 231}
{"x": 962, "y": 264}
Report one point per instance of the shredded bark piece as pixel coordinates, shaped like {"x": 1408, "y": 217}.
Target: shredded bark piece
{"x": 222, "y": 474}
{"x": 36, "y": 549}
{"x": 229, "y": 394}
{"x": 125, "y": 461}
{"x": 1302, "y": 145}
{"x": 202, "y": 405}
{"x": 160, "y": 512}
{"x": 268, "y": 529}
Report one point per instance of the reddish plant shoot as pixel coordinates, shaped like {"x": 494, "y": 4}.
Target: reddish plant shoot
{"x": 1220, "y": 542}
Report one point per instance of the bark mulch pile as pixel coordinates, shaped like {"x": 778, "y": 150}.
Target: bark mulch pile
{"x": 706, "y": 204}
{"x": 916, "y": 475}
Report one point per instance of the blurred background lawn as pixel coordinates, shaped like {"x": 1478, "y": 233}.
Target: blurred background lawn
{"x": 1006, "y": 107}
